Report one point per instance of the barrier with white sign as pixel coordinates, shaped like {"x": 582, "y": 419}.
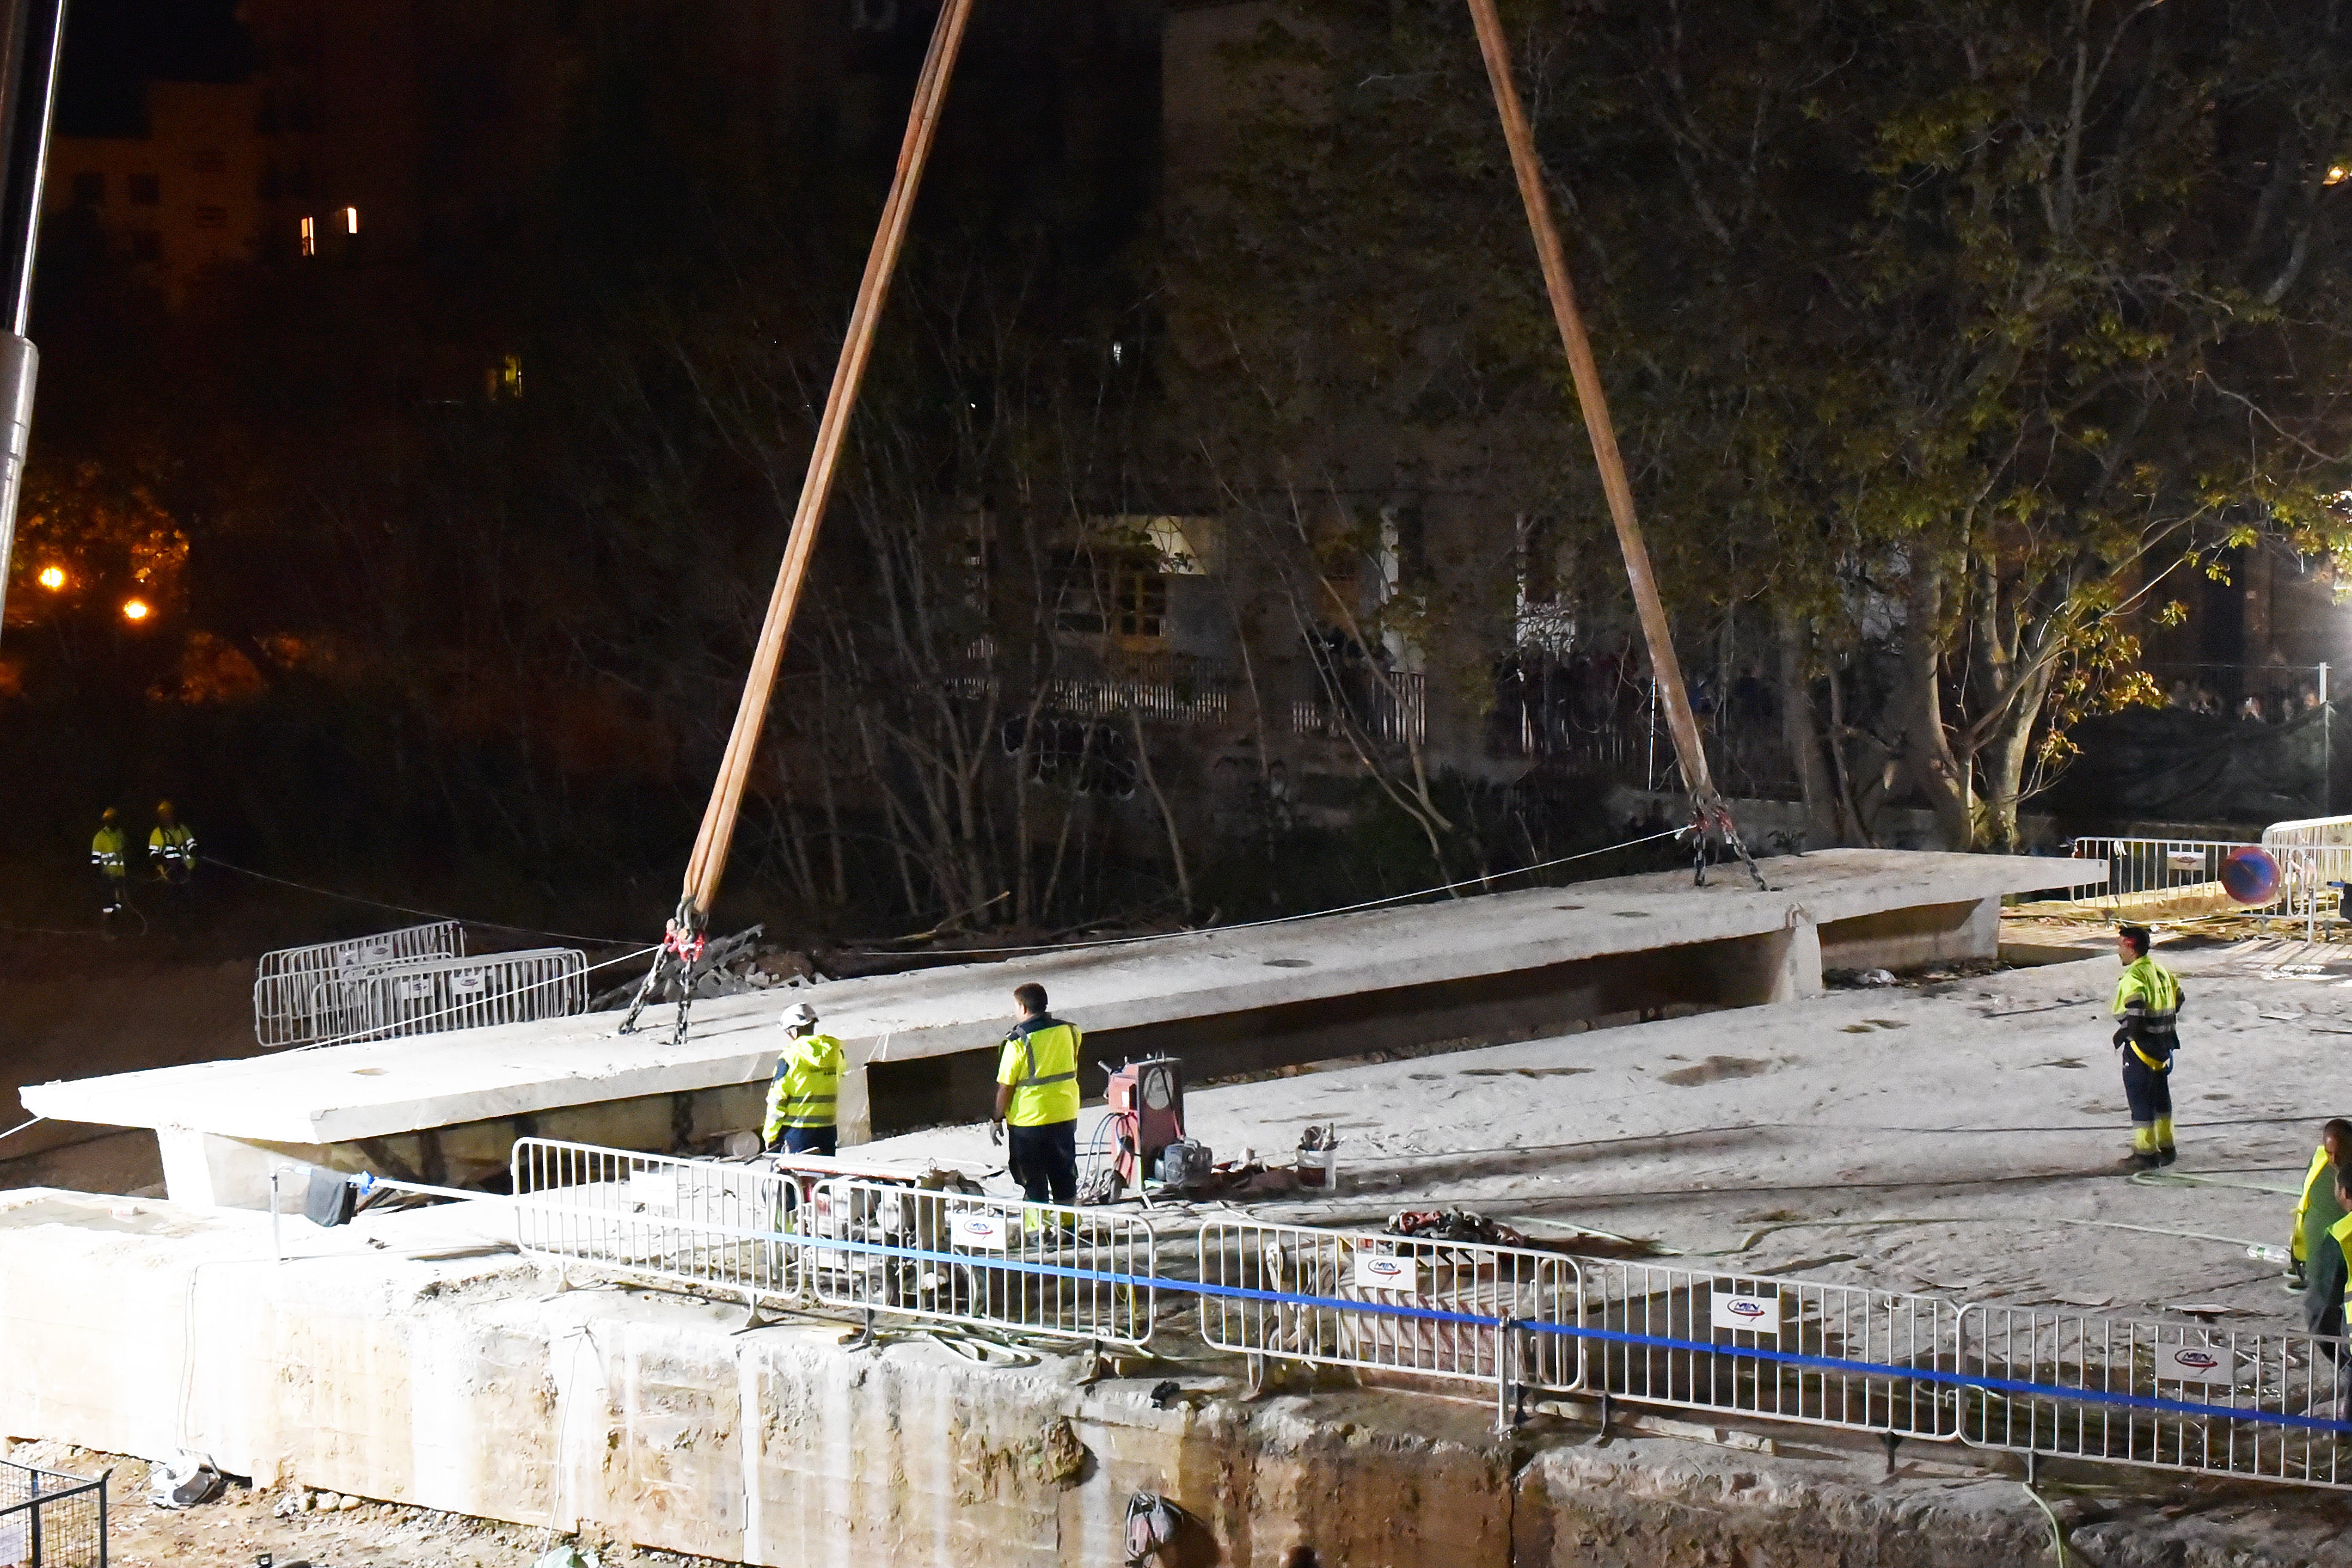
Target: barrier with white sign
{"x": 959, "y": 1257}
{"x": 1675, "y": 1335}
{"x": 2178, "y": 1397}
{"x": 296, "y": 994}
{"x": 707, "y": 1223}
{"x": 1293, "y": 1292}
{"x": 426, "y": 996}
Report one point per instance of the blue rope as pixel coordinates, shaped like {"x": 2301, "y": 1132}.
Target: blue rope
{"x": 1608, "y": 1336}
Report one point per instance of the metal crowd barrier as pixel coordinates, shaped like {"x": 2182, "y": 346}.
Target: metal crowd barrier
{"x": 990, "y": 1262}
{"x": 1304, "y": 1287}
{"x": 50, "y": 1520}
{"x": 2044, "y": 1383}
{"x": 294, "y": 996}
{"x": 2071, "y": 1385}
{"x": 705, "y": 1223}
{"x": 1674, "y": 1337}
{"x": 428, "y": 995}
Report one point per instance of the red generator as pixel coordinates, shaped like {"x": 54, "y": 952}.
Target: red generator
{"x": 1148, "y": 1100}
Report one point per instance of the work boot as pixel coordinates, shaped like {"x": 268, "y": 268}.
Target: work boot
{"x": 2138, "y": 1161}
{"x": 2166, "y": 1156}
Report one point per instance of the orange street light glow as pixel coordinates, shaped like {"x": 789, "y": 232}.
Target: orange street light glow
{"x": 134, "y": 609}
{"x": 52, "y": 578}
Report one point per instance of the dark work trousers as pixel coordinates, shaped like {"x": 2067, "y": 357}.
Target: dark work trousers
{"x": 2323, "y": 1292}
{"x": 1044, "y": 1160}
{"x": 2149, "y": 1091}
{"x": 825, "y": 1140}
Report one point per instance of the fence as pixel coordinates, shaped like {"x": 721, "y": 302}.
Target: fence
{"x": 961, "y": 1259}
{"x": 2176, "y": 877}
{"x": 1323, "y": 1296}
{"x": 704, "y": 1222}
{"x": 49, "y": 1519}
{"x": 1842, "y": 1355}
{"x": 2084, "y": 1386}
{"x": 1393, "y": 710}
{"x": 295, "y": 995}
{"x": 427, "y": 995}
{"x": 2044, "y": 1383}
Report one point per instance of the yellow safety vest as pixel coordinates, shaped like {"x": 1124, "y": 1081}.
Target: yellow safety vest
{"x": 2299, "y": 1245}
{"x": 172, "y": 843}
{"x": 106, "y": 851}
{"x": 2148, "y": 1001}
{"x": 2342, "y": 1231}
{"x": 1040, "y": 1060}
{"x": 806, "y": 1086}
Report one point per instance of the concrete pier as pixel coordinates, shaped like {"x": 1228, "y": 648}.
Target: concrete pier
{"x": 1473, "y": 970}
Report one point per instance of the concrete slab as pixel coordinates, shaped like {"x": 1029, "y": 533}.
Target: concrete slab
{"x": 1503, "y": 966}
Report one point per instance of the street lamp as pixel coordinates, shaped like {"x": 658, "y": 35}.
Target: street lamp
{"x": 135, "y": 610}
{"x": 51, "y": 577}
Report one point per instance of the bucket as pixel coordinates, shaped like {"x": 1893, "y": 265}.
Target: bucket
{"x": 1319, "y": 1168}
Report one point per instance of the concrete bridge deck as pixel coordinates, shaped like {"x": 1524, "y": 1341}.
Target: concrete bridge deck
{"x": 1473, "y": 970}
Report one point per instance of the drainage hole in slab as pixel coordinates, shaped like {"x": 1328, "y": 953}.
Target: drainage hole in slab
{"x": 1290, "y": 964}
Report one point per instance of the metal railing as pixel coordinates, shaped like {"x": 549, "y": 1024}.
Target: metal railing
{"x": 706, "y": 1223}
{"x": 1393, "y": 710}
{"x": 2170, "y": 878}
{"x": 2181, "y": 1396}
{"x": 958, "y": 1257}
{"x": 2320, "y": 848}
{"x": 428, "y": 995}
{"x": 50, "y": 1519}
{"x": 2167, "y": 1395}
{"x": 1301, "y": 1294}
{"x": 1839, "y": 1355}
{"x": 294, "y": 996}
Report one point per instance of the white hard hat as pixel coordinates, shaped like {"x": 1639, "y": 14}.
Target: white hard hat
{"x": 800, "y": 1014}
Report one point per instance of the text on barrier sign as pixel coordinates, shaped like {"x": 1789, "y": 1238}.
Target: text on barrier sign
{"x": 1376, "y": 1272}
{"x": 1757, "y": 1314}
{"x": 2198, "y": 1364}
{"x": 986, "y": 1230}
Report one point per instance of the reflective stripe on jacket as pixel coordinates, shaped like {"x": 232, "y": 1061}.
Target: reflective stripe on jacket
{"x": 1040, "y": 1060}
{"x": 807, "y": 1085}
{"x": 106, "y": 850}
{"x": 2147, "y": 1008}
{"x": 172, "y": 843}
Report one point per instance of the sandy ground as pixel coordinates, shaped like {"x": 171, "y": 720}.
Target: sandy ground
{"x": 1956, "y": 1137}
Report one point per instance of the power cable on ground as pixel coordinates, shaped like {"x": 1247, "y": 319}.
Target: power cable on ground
{"x": 1285, "y": 920}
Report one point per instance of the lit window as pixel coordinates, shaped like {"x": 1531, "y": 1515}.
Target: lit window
{"x": 145, "y": 190}
{"x": 2337, "y": 175}
{"x": 510, "y": 376}
{"x": 309, "y": 237}
{"x": 350, "y": 220}
{"x": 134, "y": 609}
{"x": 52, "y": 578}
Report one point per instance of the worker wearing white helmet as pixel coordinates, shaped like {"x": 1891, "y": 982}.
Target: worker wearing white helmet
{"x": 802, "y": 1096}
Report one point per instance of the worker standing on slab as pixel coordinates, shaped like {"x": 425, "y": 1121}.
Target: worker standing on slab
{"x": 2147, "y": 1013}
{"x": 2316, "y": 1262}
{"x": 1037, "y": 1100}
{"x": 106, "y": 852}
{"x": 171, "y": 846}
{"x": 804, "y": 1095}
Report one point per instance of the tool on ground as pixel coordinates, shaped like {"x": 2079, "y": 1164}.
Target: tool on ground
{"x": 1316, "y": 1162}
{"x": 682, "y": 938}
{"x": 1710, "y": 816}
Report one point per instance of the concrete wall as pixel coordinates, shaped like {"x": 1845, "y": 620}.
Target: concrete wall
{"x": 1907, "y": 939}
{"x": 423, "y": 1375}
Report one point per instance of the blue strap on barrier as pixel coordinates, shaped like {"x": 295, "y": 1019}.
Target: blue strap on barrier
{"x": 1610, "y": 1336}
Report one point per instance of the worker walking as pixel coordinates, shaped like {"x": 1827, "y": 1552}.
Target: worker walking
{"x": 2147, "y": 1013}
{"x": 804, "y": 1095}
{"x": 1037, "y": 1100}
{"x": 2315, "y": 1261}
{"x": 171, "y": 846}
{"x": 106, "y": 854}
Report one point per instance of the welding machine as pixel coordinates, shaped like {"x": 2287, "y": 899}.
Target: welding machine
{"x": 1148, "y": 1100}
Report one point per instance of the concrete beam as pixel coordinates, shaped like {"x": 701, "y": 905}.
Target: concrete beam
{"x": 1497, "y": 967}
